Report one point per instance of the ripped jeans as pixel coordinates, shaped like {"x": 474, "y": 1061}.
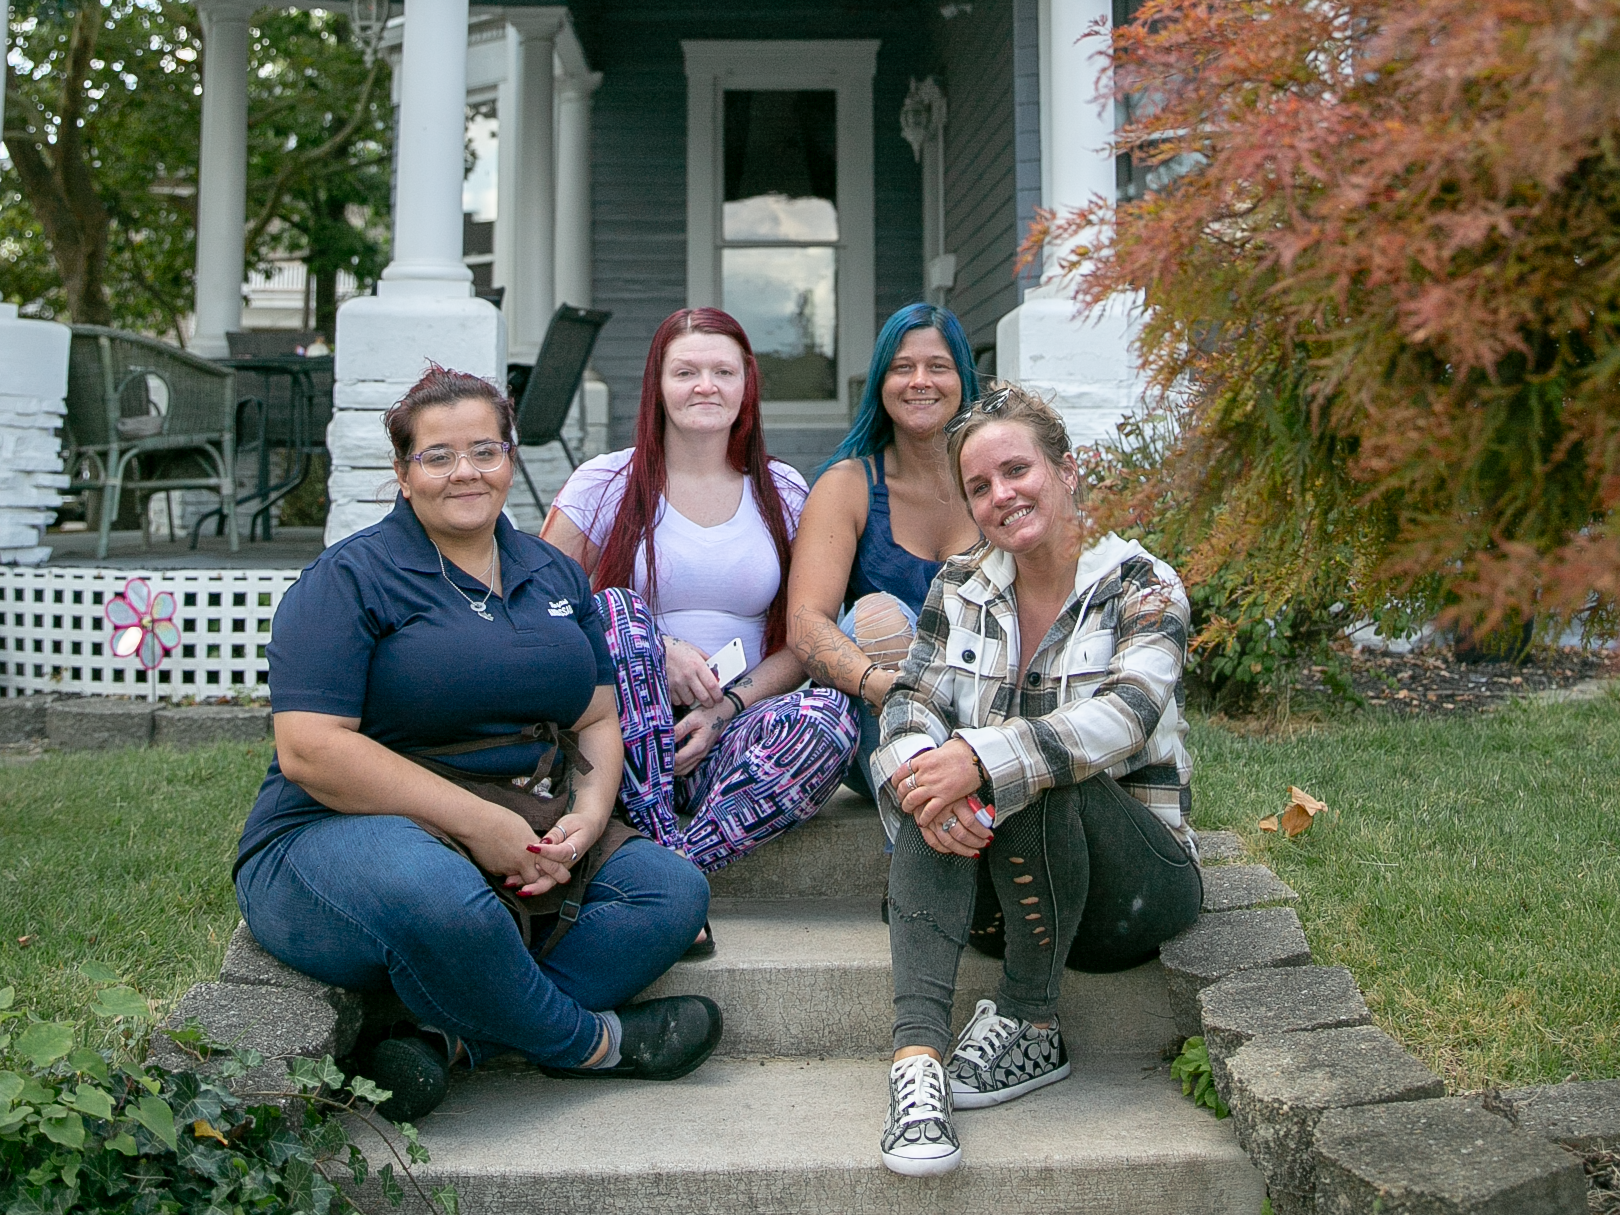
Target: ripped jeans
{"x": 1083, "y": 875}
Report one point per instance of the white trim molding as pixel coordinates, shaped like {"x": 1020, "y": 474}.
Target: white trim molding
{"x": 845, "y": 66}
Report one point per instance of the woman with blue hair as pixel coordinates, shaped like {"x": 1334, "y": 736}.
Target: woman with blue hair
{"x": 882, "y": 517}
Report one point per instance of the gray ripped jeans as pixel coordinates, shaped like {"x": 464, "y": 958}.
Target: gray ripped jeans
{"x": 1085, "y": 867}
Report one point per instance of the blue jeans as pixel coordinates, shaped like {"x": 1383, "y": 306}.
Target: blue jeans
{"x": 362, "y": 901}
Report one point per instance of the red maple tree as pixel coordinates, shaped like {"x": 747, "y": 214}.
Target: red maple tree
{"x": 1380, "y": 287}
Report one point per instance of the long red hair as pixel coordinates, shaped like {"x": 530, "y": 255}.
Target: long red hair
{"x": 646, "y": 476}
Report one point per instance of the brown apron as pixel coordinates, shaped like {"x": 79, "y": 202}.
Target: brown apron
{"x": 540, "y": 800}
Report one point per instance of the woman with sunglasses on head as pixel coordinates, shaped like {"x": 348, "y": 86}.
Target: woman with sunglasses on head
{"x": 1033, "y": 774}
{"x": 414, "y": 670}
{"x": 882, "y": 518}
{"x": 687, "y": 538}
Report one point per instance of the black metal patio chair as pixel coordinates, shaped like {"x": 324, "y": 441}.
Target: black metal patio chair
{"x": 550, "y": 385}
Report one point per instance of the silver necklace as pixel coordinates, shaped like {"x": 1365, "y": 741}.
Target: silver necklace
{"x": 481, "y": 606}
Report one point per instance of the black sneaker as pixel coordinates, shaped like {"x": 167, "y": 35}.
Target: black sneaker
{"x": 918, "y": 1138}
{"x": 414, "y": 1070}
{"x": 997, "y": 1059}
{"x": 663, "y": 1039}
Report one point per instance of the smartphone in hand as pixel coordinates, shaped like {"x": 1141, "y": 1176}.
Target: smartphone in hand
{"x": 728, "y": 662}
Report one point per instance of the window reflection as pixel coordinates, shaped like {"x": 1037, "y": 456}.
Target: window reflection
{"x": 786, "y": 299}
{"x": 779, "y": 225}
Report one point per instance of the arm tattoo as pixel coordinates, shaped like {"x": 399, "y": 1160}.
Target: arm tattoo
{"x": 829, "y": 657}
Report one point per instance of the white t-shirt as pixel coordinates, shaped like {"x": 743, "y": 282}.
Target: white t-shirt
{"x": 714, "y": 583}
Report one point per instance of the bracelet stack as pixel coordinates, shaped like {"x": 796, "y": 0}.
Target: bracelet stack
{"x": 860, "y": 689}
{"x": 736, "y": 700}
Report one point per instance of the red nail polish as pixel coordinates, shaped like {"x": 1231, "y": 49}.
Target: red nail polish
{"x": 532, "y": 847}
{"x": 975, "y": 856}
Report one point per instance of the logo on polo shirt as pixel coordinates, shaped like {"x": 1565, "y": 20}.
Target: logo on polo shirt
{"x": 561, "y": 607}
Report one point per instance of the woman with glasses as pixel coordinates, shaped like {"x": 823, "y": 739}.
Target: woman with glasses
{"x": 415, "y": 671}
{"x": 687, "y": 536}
{"x": 883, "y": 517}
{"x": 1032, "y": 743}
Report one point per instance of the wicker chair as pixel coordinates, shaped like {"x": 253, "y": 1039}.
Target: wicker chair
{"x": 146, "y": 416}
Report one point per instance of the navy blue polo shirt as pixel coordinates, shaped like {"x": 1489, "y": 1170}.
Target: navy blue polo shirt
{"x": 373, "y": 630}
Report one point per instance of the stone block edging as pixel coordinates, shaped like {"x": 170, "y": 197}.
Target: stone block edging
{"x": 264, "y": 1004}
{"x": 1336, "y": 1115}
{"x": 98, "y": 723}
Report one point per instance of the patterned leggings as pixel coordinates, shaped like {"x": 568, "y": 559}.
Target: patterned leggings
{"x": 773, "y": 766}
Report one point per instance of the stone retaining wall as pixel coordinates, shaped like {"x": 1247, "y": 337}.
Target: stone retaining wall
{"x": 1334, "y": 1113}
{"x": 99, "y": 723}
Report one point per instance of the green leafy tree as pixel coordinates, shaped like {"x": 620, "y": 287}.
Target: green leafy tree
{"x": 101, "y": 121}
{"x": 102, "y": 125}
{"x": 319, "y": 150}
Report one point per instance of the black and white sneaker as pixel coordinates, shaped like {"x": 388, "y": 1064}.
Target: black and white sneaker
{"x": 997, "y": 1059}
{"x": 918, "y": 1139}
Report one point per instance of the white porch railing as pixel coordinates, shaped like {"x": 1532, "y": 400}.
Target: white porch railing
{"x": 54, "y": 634}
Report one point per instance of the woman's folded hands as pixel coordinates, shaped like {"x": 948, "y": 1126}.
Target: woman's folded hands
{"x": 933, "y": 787}
{"x": 501, "y": 842}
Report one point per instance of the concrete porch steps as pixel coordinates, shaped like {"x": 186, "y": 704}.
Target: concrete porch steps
{"x": 787, "y": 1116}
{"x": 811, "y": 977}
{"x": 800, "y": 1136}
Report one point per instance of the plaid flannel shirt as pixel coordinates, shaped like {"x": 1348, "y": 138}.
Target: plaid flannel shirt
{"x": 1102, "y": 694}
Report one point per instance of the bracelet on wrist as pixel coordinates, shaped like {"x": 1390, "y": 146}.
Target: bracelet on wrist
{"x": 984, "y": 775}
{"x": 860, "y": 689}
{"x": 737, "y": 701}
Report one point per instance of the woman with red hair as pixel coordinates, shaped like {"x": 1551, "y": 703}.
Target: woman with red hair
{"x": 686, "y": 537}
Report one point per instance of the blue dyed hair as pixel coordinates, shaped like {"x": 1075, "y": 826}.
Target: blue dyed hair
{"x": 873, "y": 429}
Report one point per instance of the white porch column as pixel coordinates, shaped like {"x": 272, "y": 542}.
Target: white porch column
{"x": 32, "y": 392}
{"x": 529, "y": 300}
{"x": 221, "y": 174}
{"x": 1085, "y": 362}
{"x": 424, "y": 308}
{"x": 573, "y": 247}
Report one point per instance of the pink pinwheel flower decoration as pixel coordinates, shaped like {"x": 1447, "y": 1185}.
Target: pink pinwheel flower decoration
{"x": 143, "y": 623}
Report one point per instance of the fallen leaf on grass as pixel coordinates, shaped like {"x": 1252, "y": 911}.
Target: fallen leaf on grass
{"x": 1301, "y": 812}
{"x": 25, "y": 942}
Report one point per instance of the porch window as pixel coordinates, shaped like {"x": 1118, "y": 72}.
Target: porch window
{"x": 779, "y": 212}
{"x": 779, "y": 235}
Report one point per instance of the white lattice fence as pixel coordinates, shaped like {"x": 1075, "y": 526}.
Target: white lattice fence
{"x": 54, "y": 634}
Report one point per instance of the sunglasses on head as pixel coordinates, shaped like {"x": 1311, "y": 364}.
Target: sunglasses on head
{"x": 989, "y": 405}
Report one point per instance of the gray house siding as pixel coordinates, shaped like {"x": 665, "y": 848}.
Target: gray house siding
{"x": 981, "y": 214}
{"x": 1027, "y": 124}
{"x": 638, "y": 216}
{"x": 638, "y": 157}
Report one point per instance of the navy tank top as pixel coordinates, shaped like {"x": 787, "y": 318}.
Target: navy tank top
{"x": 880, "y": 563}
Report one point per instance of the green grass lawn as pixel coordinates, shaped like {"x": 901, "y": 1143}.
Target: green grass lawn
{"x": 121, "y": 857}
{"x": 1469, "y": 875}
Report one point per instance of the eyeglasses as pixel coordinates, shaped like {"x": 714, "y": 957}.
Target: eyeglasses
{"x": 442, "y": 461}
{"x": 989, "y": 405}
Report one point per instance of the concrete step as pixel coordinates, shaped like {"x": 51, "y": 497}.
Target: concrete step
{"x": 840, "y": 854}
{"x": 837, "y": 854}
{"x": 811, "y": 977}
{"x": 796, "y": 1137}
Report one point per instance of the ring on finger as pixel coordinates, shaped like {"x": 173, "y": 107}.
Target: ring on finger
{"x": 948, "y": 825}
{"x": 575, "y": 857}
